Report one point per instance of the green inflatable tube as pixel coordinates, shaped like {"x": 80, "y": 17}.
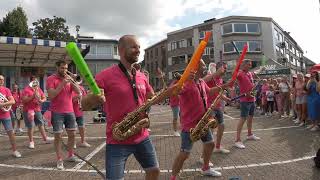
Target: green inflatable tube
{"x": 82, "y": 66}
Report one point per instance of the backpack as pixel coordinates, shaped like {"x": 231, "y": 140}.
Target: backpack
{"x": 317, "y": 159}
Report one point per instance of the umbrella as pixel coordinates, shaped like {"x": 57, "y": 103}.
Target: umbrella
{"x": 315, "y": 68}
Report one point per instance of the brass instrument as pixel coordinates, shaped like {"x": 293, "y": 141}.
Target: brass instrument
{"x": 76, "y": 80}
{"x": 126, "y": 128}
{"x": 35, "y": 85}
{"x": 2, "y": 100}
{"x": 206, "y": 122}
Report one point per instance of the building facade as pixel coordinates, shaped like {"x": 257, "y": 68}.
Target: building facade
{"x": 103, "y": 53}
{"x": 264, "y": 37}
{"x": 156, "y": 57}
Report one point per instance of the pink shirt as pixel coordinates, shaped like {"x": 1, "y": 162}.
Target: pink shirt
{"x": 16, "y": 97}
{"x": 76, "y": 107}
{"x": 264, "y": 89}
{"x": 120, "y": 100}
{"x": 6, "y": 93}
{"x": 215, "y": 81}
{"x": 245, "y": 81}
{"x": 34, "y": 103}
{"x": 62, "y": 103}
{"x": 174, "y": 100}
{"x": 191, "y": 104}
{"x": 299, "y": 87}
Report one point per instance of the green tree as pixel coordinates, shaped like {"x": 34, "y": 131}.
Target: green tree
{"x": 54, "y": 29}
{"x": 15, "y": 23}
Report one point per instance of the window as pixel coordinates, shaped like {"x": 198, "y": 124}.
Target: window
{"x": 189, "y": 42}
{"x": 228, "y": 47}
{"x": 240, "y": 45}
{"x": 115, "y": 50}
{"x": 253, "y": 28}
{"x": 240, "y": 28}
{"x": 275, "y": 34}
{"x": 156, "y": 51}
{"x": 173, "y": 45}
{"x": 178, "y": 60}
{"x": 93, "y": 49}
{"x": 290, "y": 47}
{"x": 227, "y": 28}
{"x": 208, "y": 51}
{"x": 254, "y": 46}
{"x": 181, "y": 43}
{"x": 287, "y": 44}
{"x": 281, "y": 37}
{"x": 104, "y": 49}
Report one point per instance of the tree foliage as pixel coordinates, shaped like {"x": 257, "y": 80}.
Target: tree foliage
{"x": 53, "y": 29}
{"x": 15, "y": 24}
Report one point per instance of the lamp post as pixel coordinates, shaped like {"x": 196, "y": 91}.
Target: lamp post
{"x": 77, "y": 29}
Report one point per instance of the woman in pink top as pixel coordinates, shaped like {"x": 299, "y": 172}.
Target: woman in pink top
{"x": 301, "y": 99}
{"x": 17, "y": 97}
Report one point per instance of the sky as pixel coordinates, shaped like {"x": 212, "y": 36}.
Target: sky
{"x": 151, "y": 20}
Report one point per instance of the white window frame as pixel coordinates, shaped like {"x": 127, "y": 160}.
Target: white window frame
{"x": 240, "y": 50}
{"x": 233, "y": 32}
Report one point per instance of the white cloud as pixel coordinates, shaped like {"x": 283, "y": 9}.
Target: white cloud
{"x": 152, "y": 20}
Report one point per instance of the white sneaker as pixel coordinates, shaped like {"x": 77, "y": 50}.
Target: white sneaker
{"x": 310, "y": 126}
{"x": 301, "y": 124}
{"x": 315, "y": 128}
{"x": 296, "y": 121}
{"x": 201, "y": 161}
{"x": 253, "y": 137}
{"x": 73, "y": 159}
{"x": 239, "y": 145}
{"x": 49, "y": 140}
{"x": 60, "y": 165}
{"x": 221, "y": 150}
{"x": 31, "y": 145}
{"x": 211, "y": 172}
{"x": 176, "y": 133}
{"x": 16, "y": 154}
{"x": 85, "y": 144}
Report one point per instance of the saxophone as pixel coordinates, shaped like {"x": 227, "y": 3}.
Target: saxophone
{"x": 206, "y": 122}
{"x": 126, "y": 128}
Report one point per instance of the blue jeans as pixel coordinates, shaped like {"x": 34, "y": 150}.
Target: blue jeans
{"x": 80, "y": 121}
{"x": 7, "y": 124}
{"x": 117, "y": 155}
{"x": 38, "y": 120}
{"x": 247, "y": 109}
{"x": 186, "y": 143}
{"x": 218, "y": 115}
{"x": 60, "y": 119}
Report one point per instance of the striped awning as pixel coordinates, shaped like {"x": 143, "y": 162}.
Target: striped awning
{"x": 16, "y": 51}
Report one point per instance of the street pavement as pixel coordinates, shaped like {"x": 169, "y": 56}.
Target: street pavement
{"x": 285, "y": 151}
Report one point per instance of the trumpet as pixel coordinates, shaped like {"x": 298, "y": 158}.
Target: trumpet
{"x": 34, "y": 85}
{"x": 75, "y": 80}
{"x": 2, "y": 100}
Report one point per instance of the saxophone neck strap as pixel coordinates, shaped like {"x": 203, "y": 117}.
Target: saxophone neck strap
{"x": 131, "y": 81}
